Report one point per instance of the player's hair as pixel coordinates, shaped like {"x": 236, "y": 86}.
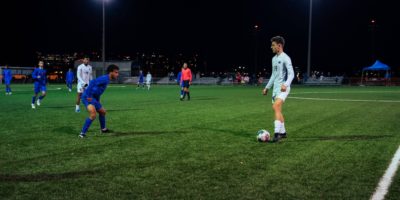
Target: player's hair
{"x": 279, "y": 40}
{"x": 86, "y": 56}
{"x": 111, "y": 68}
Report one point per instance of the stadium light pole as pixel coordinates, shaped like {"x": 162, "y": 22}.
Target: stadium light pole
{"x": 103, "y": 52}
{"x": 309, "y": 41}
{"x": 256, "y": 28}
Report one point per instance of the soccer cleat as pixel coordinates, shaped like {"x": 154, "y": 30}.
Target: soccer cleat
{"x": 283, "y": 135}
{"x": 38, "y": 102}
{"x": 77, "y": 110}
{"x": 10, "y": 93}
{"x": 277, "y": 137}
{"x": 81, "y": 135}
{"x": 70, "y": 90}
{"x": 106, "y": 130}
{"x": 33, "y": 106}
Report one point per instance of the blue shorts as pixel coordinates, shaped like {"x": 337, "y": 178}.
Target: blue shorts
{"x": 185, "y": 84}
{"x": 39, "y": 88}
{"x": 95, "y": 102}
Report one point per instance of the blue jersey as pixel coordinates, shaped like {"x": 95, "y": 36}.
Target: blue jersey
{"x": 39, "y": 76}
{"x": 178, "y": 78}
{"x": 97, "y": 87}
{"x": 7, "y": 75}
{"x": 141, "y": 78}
{"x": 70, "y": 77}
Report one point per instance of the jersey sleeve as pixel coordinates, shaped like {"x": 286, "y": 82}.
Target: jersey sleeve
{"x": 271, "y": 79}
{"x": 91, "y": 74}
{"x": 34, "y": 74}
{"x": 290, "y": 73}
{"x": 79, "y": 74}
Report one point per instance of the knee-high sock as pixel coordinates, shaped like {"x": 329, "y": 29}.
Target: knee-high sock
{"x": 102, "y": 119}
{"x": 86, "y": 126}
{"x": 41, "y": 97}
{"x": 283, "y": 130}
{"x": 33, "y": 99}
{"x": 277, "y": 126}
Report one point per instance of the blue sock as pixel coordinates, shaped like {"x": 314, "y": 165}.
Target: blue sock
{"x": 86, "y": 126}
{"x": 41, "y": 97}
{"x": 33, "y": 99}
{"x": 102, "y": 119}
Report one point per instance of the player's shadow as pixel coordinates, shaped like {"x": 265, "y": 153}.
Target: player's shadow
{"x": 229, "y": 131}
{"x": 342, "y": 138}
{"x": 45, "y": 176}
{"x": 66, "y": 129}
{"x": 134, "y": 133}
{"x": 123, "y": 109}
{"x": 205, "y": 98}
{"x": 58, "y": 107}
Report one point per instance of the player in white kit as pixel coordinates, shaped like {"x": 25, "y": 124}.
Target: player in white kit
{"x": 84, "y": 75}
{"x": 281, "y": 78}
{"x": 148, "y": 80}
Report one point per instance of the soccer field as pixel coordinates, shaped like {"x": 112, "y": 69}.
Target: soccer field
{"x": 340, "y": 142}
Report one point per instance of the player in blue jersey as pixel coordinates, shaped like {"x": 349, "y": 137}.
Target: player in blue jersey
{"x": 39, "y": 78}
{"x": 7, "y": 75}
{"x": 69, "y": 79}
{"x": 91, "y": 99}
{"x": 141, "y": 80}
{"x": 180, "y": 83}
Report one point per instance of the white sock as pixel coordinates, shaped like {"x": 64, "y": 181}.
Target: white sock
{"x": 277, "y": 126}
{"x": 77, "y": 107}
{"x": 283, "y": 130}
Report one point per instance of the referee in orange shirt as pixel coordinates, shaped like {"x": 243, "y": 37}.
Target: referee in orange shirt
{"x": 186, "y": 80}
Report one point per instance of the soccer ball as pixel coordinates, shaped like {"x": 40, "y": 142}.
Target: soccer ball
{"x": 263, "y": 136}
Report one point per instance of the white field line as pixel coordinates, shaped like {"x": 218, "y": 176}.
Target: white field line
{"x": 116, "y": 86}
{"x": 346, "y": 92}
{"x": 346, "y": 100}
{"x": 386, "y": 179}
{"x": 48, "y": 89}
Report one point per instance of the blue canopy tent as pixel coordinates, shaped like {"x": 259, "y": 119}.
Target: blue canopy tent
{"x": 377, "y": 66}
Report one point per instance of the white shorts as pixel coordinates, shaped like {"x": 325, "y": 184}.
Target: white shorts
{"x": 80, "y": 87}
{"x": 281, "y": 95}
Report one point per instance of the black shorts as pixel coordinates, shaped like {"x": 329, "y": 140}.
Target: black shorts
{"x": 186, "y": 84}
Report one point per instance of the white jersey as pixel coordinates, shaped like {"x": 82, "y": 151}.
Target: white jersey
{"x": 84, "y": 74}
{"x": 148, "y": 78}
{"x": 282, "y": 73}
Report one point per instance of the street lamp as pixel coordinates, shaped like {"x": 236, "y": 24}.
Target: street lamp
{"x": 373, "y": 26}
{"x": 103, "y": 52}
{"x": 256, "y": 29}
{"x": 309, "y": 41}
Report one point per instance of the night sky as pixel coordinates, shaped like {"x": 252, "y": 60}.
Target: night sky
{"x": 220, "y": 31}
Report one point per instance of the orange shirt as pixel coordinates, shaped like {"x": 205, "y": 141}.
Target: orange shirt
{"x": 186, "y": 75}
